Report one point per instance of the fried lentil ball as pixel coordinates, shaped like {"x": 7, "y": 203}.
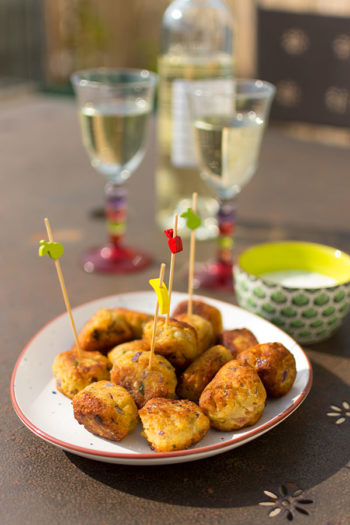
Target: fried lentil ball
{"x": 131, "y": 371}
{"x": 106, "y": 329}
{"x": 238, "y": 340}
{"x": 177, "y": 341}
{"x": 274, "y": 364}
{"x": 117, "y": 351}
{"x": 204, "y": 330}
{"x": 201, "y": 371}
{"x": 73, "y": 373}
{"x": 235, "y": 398}
{"x": 170, "y": 425}
{"x": 136, "y": 320}
{"x": 106, "y": 409}
{"x": 209, "y": 312}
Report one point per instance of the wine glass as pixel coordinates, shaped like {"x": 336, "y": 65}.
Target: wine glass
{"x": 114, "y": 110}
{"x": 229, "y": 119}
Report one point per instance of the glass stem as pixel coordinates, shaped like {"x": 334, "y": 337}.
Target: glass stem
{"x": 226, "y": 218}
{"x": 116, "y": 212}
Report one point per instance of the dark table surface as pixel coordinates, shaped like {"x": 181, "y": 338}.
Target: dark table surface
{"x": 301, "y": 191}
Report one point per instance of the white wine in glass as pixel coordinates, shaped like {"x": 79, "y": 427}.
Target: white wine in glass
{"x": 229, "y": 123}
{"x": 114, "y": 110}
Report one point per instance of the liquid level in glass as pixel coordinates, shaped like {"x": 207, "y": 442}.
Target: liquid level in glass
{"x": 113, "y": 135}
{"x": 178, "y": 178}
{"x": 228, "y": 148}
{"x": 300, "y": 278}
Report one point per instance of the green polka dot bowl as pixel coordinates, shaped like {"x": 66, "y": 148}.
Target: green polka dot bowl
{"x": 303, "y": 288}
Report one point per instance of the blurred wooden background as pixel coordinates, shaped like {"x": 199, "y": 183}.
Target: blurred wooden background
{"x": 296, "y": 44}
{"x": 87, "y": 33}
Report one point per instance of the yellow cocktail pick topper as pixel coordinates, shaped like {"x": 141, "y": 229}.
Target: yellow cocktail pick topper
{"x": 162, "y": 295}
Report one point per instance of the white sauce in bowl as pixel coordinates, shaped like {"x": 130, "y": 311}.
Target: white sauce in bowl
{"x": 299, "y": 279}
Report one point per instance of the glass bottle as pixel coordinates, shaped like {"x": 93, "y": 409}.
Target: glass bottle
{"x": 196, "y": 46}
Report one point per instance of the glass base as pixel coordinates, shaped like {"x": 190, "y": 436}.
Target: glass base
{"x": 115, "y": 259}
{"x": 214, "y": 275}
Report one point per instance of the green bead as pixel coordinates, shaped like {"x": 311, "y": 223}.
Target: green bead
{"x": 225, "y": 242}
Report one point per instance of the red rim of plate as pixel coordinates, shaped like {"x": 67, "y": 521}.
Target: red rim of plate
{"x": 155, "y": 455}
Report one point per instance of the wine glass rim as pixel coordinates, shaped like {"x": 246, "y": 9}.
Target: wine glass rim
{"x": 143, "y": 77}
{"x": 264, "y": 89}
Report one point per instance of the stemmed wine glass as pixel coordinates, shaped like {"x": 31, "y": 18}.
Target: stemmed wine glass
{"x": 229, "y": 119}
{"x": 114, "y": 109}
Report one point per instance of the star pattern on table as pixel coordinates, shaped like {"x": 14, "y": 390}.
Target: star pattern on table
{"x": 340, "y": 413}
{"x": 288, "y": 500}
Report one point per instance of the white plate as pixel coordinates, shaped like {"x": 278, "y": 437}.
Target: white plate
{"x": 49, "y": 414}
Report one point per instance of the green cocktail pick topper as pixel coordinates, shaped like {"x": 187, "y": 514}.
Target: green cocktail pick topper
{"x": 55, "y": 250}
{"x": 52, "y": 249}
{"x": 192, "y": 220}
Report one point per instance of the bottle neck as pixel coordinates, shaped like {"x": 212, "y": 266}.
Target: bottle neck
{"x": 197, "y": 27}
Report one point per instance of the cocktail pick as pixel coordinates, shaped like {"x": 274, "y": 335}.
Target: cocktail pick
{"x": 163, "y": 303}
{"x": 55, "y": 250}
{"x": 175, "y": 245}
{"x": 192, "y": 222}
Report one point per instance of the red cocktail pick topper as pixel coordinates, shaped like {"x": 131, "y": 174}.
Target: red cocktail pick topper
{"x": 174, "y": 243}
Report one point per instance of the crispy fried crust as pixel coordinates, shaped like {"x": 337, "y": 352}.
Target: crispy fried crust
{"x": 136, "y": 320}
{"x": 209, "y": 312}
{"x": 74, "y": 373}
{"x": 177, "y": 341}
{"x": 106, "y": 329}
{"x": 274, "y": 364}
{"x": 196, "y": 377}
{"x": 238, "y": 340}
{"x": 204, "y": 330}
{"x": 131, "y": 371}
{"x": 106, "y": 409}
{"x": 138, "y": 345}
{"x": 170, "y": 425}
{"x": 235, "y": 398}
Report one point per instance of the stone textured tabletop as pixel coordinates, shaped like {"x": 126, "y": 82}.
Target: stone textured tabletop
{"x": 302, "y": 466}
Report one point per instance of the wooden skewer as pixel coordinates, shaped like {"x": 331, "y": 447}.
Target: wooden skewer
{"x": 161, "y": 278}
{"x": 192, "y": 258}
{"x": 172, "y": 267}
{"x": 64, "y": 290}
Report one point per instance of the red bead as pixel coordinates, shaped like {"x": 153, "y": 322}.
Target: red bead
{"x": 226, "y": 228}
{"x": 169, "y": 233}
{"x": 175, "y": 244}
